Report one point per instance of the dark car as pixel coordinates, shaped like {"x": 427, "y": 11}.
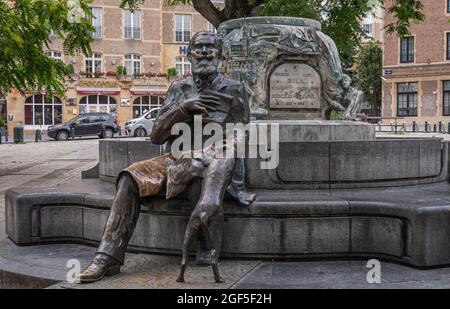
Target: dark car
{"x": 102, "y": 124}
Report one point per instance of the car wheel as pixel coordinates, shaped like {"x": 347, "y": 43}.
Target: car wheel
{"x": 109, "y": 133}
{"x": 140, "y": 132}
{"x": 62, "y": 136}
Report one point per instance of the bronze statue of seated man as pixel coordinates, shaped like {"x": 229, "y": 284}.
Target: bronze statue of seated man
{"x": 202, "y": 93}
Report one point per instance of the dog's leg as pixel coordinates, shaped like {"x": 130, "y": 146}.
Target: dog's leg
{"x": 191, "y": 231}
{"x": 211, "y": 246}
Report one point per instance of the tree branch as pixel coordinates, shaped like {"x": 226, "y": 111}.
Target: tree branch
{"x": 237, "y": 8}
{"x": 209, "y": 11}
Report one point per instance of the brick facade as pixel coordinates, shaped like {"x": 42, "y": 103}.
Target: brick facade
{"x": 156, "y": 47}
{"x": 429, "y": 69}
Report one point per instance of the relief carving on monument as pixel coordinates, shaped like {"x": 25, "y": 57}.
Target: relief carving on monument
{"x": 257, "y": 48}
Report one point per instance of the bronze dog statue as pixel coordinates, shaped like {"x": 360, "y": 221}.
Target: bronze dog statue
{"x": 208, "y": 212}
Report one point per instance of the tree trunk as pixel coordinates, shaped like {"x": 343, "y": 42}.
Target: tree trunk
{"x": 208, "y": 10}
{"x": 233, "y": 9}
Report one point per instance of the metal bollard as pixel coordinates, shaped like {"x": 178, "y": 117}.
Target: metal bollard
{"x": 434, "y": 128}
{"x": 440, "y": 126}
{"x": 38, "y": 135}
{"x": 426, "y": 126}
{"x": 120, "y": 131}
{"x": 72, "y": 133}
{"x": 2, "y": 132}
{"x": 414, "y": 128}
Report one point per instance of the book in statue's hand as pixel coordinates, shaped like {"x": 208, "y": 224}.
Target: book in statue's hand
{"x": 218, "y": 112}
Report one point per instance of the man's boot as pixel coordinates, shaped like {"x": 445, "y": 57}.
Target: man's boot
{"x": 102, "y": 265}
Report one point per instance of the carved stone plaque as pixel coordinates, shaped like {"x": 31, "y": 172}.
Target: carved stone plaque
{"x": 295, "y": 85}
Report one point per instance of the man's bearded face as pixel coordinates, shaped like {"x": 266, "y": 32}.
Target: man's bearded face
{"x": 204, "y": 55}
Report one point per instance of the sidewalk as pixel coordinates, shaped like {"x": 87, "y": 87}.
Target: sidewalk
{"x": 45, "y": 138}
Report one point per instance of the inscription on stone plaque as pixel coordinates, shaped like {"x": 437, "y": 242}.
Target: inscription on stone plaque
{"x": 295, "y": 85}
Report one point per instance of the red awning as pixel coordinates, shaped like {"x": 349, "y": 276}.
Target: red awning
{"x": 105, "y": 91}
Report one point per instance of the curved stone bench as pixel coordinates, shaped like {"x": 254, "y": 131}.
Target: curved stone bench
{"x": 405, "y": 224}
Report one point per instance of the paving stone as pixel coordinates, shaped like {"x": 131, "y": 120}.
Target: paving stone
{"x": 341, "y": 274}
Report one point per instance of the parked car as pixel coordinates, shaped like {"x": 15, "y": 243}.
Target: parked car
{"x": 102, "y": 124}
{"x": 142, "y": 126}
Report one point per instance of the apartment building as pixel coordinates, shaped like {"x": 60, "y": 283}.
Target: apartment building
{"x": 416, "y": 68}
{"x": 146, "y": 42}
{"x": 373, "y": 25}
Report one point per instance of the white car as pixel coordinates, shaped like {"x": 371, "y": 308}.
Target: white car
{"x": 142, "y": 126}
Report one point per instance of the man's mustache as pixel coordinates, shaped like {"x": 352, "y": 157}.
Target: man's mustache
{"x": 204, "y": 57}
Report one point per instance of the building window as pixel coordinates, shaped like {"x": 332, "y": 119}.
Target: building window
{"x": 448, "y": 6}
{"x": 446, "y": 98}
{"x": 133, "y": 64}
{"x": 182, "y": 28}
{"x": 54, "y": 54}
{"x": 407, "y": 50}
{"x": 407, "y": 99}
{"x": 52, "y": 34}
{"x": 448, "y": 45}
{"x": 43, "y": 111}
{"x": 132, "y": 29}
{"x": 183, "y": 66}
{"x": 368, "y": 29}
{"x": 146, "y": 103}
{"x": 211, "y": 28}
{"x": 97, "y": 104}
{"x": 93, "y": 65}
{"x": 96, "y": 21}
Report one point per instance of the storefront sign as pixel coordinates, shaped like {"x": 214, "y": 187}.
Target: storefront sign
{"x": 98, "y": 83}
{"x": 71, "y": 102}
{"x": 183, "y": 50}
{"x": 125, "y": 102}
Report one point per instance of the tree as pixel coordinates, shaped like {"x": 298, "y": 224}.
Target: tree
{"x": 368, "y": 74}
{"x": 25, "y": 30}
{"x": 340, "y": 18}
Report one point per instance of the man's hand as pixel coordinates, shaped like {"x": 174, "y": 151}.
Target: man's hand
{"x": 200, "y": 104}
